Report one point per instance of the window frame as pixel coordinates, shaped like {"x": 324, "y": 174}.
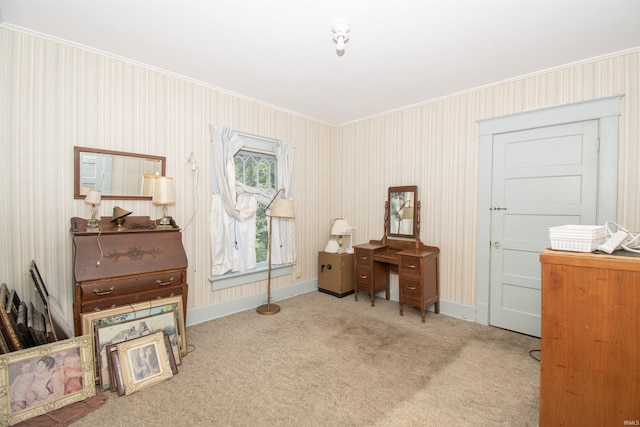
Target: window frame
{"x": 266, "y": 146}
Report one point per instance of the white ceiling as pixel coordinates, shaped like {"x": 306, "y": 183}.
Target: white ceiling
{"x": 400, "y": 52}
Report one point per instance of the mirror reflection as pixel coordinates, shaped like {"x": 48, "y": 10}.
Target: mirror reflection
{"x": 402, "y": 214}
{"x": 118, "y": 175}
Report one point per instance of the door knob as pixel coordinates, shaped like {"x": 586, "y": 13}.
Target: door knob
{"x": 496, "y": 244}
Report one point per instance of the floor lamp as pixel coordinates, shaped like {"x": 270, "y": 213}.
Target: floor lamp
{"x": 282, "y": 208}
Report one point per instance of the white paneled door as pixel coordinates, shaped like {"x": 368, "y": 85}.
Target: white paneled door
{"x": 93, "y": 172}
{"x": 541, "y": 178}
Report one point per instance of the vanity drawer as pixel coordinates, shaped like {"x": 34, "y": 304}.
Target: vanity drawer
{"x": 115, "y": 288}
{"x": 411, "y": 291}
{"x": 410, "y": 266}
{"x": 364, "y": 277}
{"x": 364, "y": 258}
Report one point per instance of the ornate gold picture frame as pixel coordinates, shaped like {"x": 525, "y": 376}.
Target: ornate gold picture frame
{"x": 41, "y": 379}
{"x": 144, "y": 362}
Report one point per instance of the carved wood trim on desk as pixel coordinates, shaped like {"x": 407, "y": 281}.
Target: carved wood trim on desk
{"x": 113, "y": 268}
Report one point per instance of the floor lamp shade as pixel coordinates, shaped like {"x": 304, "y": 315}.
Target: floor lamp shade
{"x": 283, "y": 208}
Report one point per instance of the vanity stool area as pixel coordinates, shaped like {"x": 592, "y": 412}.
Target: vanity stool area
{"x": 399, "y": 252}
{"x": 118, "y": 266}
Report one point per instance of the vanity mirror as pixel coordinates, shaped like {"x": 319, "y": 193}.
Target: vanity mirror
{"x": 403, "y": 212}
{"x": 118, "y": 175}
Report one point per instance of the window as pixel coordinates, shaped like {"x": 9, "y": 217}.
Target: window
{"x": 239, "y": 238}
{"x": 257, "y": 169}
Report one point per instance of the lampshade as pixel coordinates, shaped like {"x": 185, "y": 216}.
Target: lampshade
{"x": 93, "y": 197}
{"x": 282, "y": 208}
{"x": 407, "y": 213}
{"x": 118, "y": 213}
{"x": 332, "y": 246}
{"x": 148, "y": 184}
{"x": 163, "y": 191}
{"x": 340, "y": 227}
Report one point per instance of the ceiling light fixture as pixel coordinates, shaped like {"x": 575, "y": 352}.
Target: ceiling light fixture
{"x": 340, "y": 31}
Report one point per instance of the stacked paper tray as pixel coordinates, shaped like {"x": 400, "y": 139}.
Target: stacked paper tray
{"x": 577, "y": 238}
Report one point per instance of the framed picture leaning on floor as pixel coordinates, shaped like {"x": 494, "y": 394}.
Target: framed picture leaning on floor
{"x": 144, "y": 362}
{"x": 44, "y": 378}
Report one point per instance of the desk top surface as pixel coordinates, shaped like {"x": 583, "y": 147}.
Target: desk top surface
{"x": 390, "y": 254}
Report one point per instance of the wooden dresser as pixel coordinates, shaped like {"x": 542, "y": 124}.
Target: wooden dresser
{"x": 114, "y": 268}
{"x": 415, "y": 264}
{"x": 590, "y": 370}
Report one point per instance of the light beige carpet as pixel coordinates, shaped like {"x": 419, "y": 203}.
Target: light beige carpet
{"x": 324, "y": 361}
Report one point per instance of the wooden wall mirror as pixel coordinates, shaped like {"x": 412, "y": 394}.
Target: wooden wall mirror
{"x": 403, "y": 212}
{"x": 118, "y": 175}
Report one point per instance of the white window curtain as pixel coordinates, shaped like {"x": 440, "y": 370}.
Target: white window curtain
{"x": 233, "y": 207}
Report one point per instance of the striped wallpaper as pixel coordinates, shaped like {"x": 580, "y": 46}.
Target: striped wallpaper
{"x": 56, "y": 95}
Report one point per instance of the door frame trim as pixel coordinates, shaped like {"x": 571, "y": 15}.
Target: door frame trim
{"x": 605, "y": 110}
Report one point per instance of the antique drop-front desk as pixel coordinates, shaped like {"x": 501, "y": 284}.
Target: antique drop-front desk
{"x": 113, "y": 268}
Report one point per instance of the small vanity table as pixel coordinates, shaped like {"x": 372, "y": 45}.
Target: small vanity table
{"x": 399, "y": 252}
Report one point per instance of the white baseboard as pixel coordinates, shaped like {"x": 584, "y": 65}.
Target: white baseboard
{"x": 226, "y": 308}
{"x": 222, "y": 309}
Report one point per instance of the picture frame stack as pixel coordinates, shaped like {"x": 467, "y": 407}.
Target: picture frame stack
{"x": 119, "y": 334}
{"x": 43, "y": 367}
{"x": 25, "y": 324}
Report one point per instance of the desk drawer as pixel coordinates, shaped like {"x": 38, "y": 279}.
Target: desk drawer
{"x": 412, "y": 291}
{"x": 130, "y": 285}
{"x": 115, "y": 301}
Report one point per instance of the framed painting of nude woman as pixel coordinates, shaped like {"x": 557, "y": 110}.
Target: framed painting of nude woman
{"x": 41, "y": 379}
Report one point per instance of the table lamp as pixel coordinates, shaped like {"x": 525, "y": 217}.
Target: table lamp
{"x": 339, "y": 228}
{"x": 93, "y": 198}
{"x": 163, "y": 195}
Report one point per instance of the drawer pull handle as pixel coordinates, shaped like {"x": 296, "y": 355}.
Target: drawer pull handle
{"x": 363, "y": 257}
{"x": 161, "y": 283}
{"x": 411, "y": 288}
{"x": 411, "y": 266}
{"x": 363, "y": 276}
{"x": 103, "y": 293}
